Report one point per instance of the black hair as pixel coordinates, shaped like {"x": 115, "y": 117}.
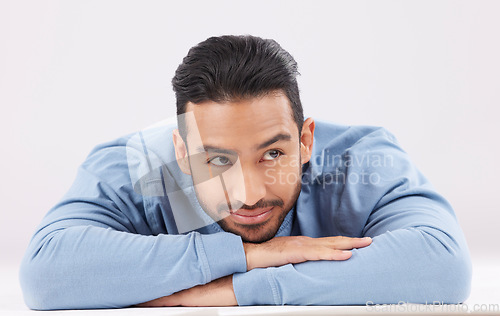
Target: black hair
{"x": 231, "y": 67}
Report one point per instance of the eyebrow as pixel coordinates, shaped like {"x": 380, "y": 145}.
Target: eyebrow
{"x": 276, "y": 138}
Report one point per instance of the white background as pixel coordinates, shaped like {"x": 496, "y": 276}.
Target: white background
{"x": 74, "y": 74}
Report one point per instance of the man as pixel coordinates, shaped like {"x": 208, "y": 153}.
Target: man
{"x": 243, "y": 202}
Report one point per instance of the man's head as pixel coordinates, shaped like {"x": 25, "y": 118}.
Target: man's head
{"x": 229, "y": 68}
{"x": 246, "y": 141}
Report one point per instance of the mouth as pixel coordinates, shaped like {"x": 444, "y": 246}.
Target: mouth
{"x": 254, "y": 216}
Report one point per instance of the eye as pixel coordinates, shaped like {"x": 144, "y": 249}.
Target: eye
{"x": 272, "y": 154}
{"x": 220, "y": 161}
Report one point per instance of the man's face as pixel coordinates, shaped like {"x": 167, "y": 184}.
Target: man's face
{"x": 245, "y": 158}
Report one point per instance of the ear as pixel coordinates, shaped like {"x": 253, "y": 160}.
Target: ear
{"x": 181, "y": 153}
{"x": 306, "y": 140}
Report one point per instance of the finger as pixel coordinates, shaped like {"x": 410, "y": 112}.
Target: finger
{"x": 334, "y": 254}
{"x": 348, "y": 243}
{"x": 325, "y": 253}
{"x": 340, "y": 255}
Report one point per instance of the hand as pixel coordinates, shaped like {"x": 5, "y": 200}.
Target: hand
{"x": 295, "y": 249}
{"x": 216, "y": 293}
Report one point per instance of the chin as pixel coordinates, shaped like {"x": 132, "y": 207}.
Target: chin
{"x": 257, "y": 234}
{"x": 257, "y": 239}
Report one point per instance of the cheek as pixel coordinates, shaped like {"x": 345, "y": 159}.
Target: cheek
{"x": 211, "y": 192}
{"x": 282, "y": 178}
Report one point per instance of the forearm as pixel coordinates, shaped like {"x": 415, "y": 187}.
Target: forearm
{"x": 216, "y": 293}
{"x": 274, "y": 253}
{"x": 402, "y": 265}
{"x": 93, "y": 267}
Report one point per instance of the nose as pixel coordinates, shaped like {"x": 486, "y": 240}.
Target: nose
{"x": 246, "y": 186}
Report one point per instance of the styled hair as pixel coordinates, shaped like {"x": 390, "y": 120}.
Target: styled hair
{"x": 228, "y": 68}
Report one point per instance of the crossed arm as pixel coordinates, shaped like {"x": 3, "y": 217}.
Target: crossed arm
{"x": 273, "y": 253}
{"x": 85, "y": 266}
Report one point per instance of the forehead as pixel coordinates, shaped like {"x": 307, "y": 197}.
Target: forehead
{"x": 243, "y": 124}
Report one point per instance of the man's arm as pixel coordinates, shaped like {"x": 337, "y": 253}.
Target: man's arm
{"x": 415, "y": 265}
{"x": 95, "y": 248}
{"x": 273, "y": 253}
{"x": 420, "y": 264}
{"x": 418, "y": 254}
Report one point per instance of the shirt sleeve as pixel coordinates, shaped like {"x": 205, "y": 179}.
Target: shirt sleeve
{"x": 94, "y": 248}
{"x": 418, "y": 254}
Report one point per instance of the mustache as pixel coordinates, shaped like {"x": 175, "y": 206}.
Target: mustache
{"x": 260, "y": 204}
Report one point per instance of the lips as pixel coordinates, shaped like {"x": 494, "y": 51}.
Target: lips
{"x": 250, "y": 217}
{"x": 251, "y": 213}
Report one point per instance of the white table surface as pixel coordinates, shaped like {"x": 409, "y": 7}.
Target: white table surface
{"x": 485, "y": 296}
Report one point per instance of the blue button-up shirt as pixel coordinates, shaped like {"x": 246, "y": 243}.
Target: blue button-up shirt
{"x": 130, "y": 230}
